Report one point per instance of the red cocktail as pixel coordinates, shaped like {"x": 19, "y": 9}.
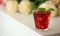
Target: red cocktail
{"x": 41, "y": 19}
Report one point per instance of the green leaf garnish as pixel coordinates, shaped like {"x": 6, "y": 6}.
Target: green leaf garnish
{"x": 42, "y": 9}
{"x": 37, "y": 2}
{"x": 50, "y": 9}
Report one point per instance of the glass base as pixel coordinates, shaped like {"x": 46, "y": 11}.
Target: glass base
{"x": 42, "y": 29}
{"x": 45, "y": 29}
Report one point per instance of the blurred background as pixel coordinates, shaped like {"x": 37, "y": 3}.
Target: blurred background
{"x": 55, "y": 2}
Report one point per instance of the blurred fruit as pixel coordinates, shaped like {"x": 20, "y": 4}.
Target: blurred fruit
{"x": 55, "y": 1}
{"x": 25, "y": 7}
{"x": 12, "y": 6}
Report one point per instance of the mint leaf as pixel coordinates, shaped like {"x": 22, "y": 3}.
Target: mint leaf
{"x": 42, "y": 9}
{"x": 50, "y": 9}
{"x": 37, "y": 2}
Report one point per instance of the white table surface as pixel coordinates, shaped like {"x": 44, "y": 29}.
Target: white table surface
{"x": 11, "y": 27}
{"x": 28, "y": 20}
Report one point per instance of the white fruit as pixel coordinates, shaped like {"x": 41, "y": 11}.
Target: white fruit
{"x": 24, "y": 7}
{"x": 12, "y": 6}
{"x": 55, "y": 1}
{"x": 48, "y": 5}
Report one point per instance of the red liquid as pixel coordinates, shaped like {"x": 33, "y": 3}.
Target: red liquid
{"x": 41, "y": 19}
